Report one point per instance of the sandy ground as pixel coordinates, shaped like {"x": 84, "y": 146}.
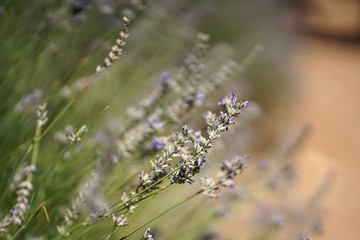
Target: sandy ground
{"x": 329, "y": 80}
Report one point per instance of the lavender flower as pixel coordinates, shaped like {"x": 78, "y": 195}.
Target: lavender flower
{"x": 157, "y": 143}
{"x": 117, "y": 48}
{"x": 209, "y": 187}
{"x": 42, "y": 114}
{"x": 216, "y": 124}
{"x": 147, "y": 235}
{"x": 119, "y": 221}
{"x": 28, "y": 100}
{"x": 230, "y": 169}
{"x": 17, "y": 213}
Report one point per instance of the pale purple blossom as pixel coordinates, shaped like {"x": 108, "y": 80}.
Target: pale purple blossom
{"x": 158, "y": 143}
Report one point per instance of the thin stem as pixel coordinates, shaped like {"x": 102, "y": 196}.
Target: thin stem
{"x": 145, "y": 165}
{"x": 35, "y": 152}
{"x": 110, "y": 235}
{"x": 68, "y": 105}
{"x": 28, "y": 151}
{"x": 124, "y": 204}
{"x": 143, "y": 206}
{"x": 152, "y": 185}
{"x": 57, "y": 117}
{"x": 34, "y": 158}
{"x": 30, "y": 218}
{"x": 148, "y": 196}
{"x": 160, "y": 214}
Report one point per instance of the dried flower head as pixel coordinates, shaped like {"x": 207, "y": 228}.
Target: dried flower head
{"x": 117, "y": 49}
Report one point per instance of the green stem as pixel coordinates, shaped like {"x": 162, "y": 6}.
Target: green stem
{"x": 142, "y": 207}
{"x": 27, "y": 221}
{"x": 35, "y": 152}
{"x": 68, "y": 105}
{"x": 160, "y": 214}
{"x": 34, "y": 158}
{"x": 28, "y": 151}
{"x": 152, "y": 185}
{"x": 93, "y": 225}
{"x": 110, "y": 235}
{"x": 145, "y": 165}
{"x": 148, "y": 196}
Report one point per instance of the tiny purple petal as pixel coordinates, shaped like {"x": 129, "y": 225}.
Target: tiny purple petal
{"x": 199, "y": 96}
{"x": 198, "y": 133}
{"x": 221, "y": 102}
{"x": 233, "y": 96}
{"x": 164, "y": 75}
{"x": 154, "y": 99}
{"x": 246, "y": 104}
{"x": 157, "y": 143}
{"x": 156, "y": 124}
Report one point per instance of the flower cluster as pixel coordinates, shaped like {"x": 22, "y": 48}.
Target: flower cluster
{"x": 71, "y": 215}
{"x": 23, "y": 190}
{"x": 172, "y": 146}
{"x": 129, "y": 203}
{"x": 75, "y": 137}
{"x": 119, "y": 221}
{"x": 41, "y": 112}
{"x": 230, "y": 169}
{"x": 143, "y": 107}
{"x": 147, "y": 235}
{"x": 117, "y": 49}
{"x": 87, "y": 199}
{"x": 226, "y": 175}
{"x": 216, "y": 124}
{"x": 209, "y": 187}
{"x": 151, "y": 119}
{"x": 28, "y": 100}
{"x": 190, "y": 146}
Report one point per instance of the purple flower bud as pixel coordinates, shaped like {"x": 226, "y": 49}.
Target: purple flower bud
{"x": 154, "y": 99}
{"x": 246, "y": 104}
{"x": 203, "y": 160}
{"x": 199, "y": 96}
{"x": 164, "y": 75}
{"x": 156, "y": 124}
{"x": 221, "y": 102}
{"x": 157, "y": 143}
{"x": 233, "y": 96}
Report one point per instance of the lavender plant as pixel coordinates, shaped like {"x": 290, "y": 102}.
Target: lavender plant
{"x": 113, "y": 150}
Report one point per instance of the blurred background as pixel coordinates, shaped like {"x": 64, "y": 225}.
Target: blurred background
{"x": 307, "y": 75}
